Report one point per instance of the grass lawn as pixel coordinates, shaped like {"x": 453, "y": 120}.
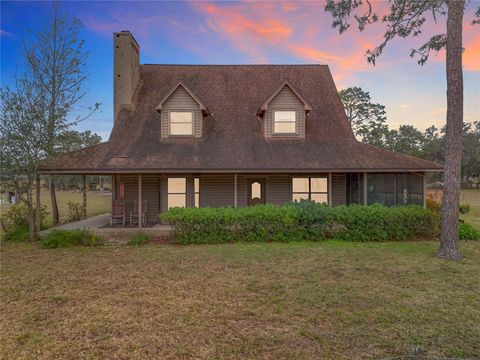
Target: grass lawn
{"x": 97, "y": 203}
{"x": 472, "y": 197}
{"x": 294, "y": 301}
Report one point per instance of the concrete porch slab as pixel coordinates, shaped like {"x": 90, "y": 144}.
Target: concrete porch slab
{"x": 112, "y": 235}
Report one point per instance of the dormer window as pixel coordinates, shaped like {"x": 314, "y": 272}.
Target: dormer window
{"x": 284, "y": 112}
{"x": 181, "y": 113}
{"x": 284, "y": 121}
{"x": 181, "y": 123}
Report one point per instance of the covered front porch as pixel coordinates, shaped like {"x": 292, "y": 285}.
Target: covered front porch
{"x": 150, "y": 193}
{"x": 155, "y": 193}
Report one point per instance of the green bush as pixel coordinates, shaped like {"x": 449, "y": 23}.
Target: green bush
{"x": 314, "y": 219}
{"x": 76, "y": 211}
{"x": 221, "y": 225}
{"x": 67, "y": 238}
{"x": 18, "y": 233}
{"x": 14, "y": 222}
{"x": 139, "y": 239}
{"x": 380, "y": 223}
{"x": 304, "y": 220}
{"x": 468, "y": 232}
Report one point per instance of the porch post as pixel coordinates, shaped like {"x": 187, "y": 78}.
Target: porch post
{"x": 330, "y": 186}
{"x": 424, "y": 191}
{"x": 235, "y": 191}
{"x": 37, "y": 206}
{"x": 140, "y": 201}
{"x": 84, "y": 190}
{"x": 365, "y": 189}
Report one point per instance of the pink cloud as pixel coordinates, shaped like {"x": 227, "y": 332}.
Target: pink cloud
{"x": 260, "y": 30}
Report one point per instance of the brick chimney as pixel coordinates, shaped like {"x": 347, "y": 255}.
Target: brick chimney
{"x": 125, "y": 69}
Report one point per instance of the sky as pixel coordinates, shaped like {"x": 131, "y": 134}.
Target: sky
{"x": 251, "y": 32}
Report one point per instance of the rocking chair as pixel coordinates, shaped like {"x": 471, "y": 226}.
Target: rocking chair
{"x": 134, "y": 213}
{"x": 118, "y": 212}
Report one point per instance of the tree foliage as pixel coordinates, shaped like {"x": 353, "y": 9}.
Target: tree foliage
{"x": 22, "y": 142}
{"x": 406, "y": 18}
{"x": 56, "y": 63}
{"x": 74, "y": 140}
{"x": 367, "y": 118}
{"x": 368, "y": 122}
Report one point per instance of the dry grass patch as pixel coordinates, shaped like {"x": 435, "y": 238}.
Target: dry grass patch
{"x": 296, "y": 300}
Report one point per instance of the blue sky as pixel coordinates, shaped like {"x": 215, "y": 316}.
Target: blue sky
{"x": 249, "y": 33}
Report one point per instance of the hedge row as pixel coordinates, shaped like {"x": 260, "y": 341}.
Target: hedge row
{"x": 304, "y": 220}
{"x": 68, "y": 238}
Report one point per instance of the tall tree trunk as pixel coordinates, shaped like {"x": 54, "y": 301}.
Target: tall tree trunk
{"x": 31, "y": 216}
{"x": 53, "y": 198}
{"x": 453, "y": 154}
{"x": 38, "y": 218}
{"x": 84, "y": 193}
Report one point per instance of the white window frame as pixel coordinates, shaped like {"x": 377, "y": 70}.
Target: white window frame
{"x": 274, "y": 121}
{"x": 196, "y": 192}
{"x": 185, "y": 122}
{"x": 309, "y": 191}
{"x": 170, "y": 192}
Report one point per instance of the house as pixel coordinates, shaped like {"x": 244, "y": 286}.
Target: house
{"x": 237, "y": 135}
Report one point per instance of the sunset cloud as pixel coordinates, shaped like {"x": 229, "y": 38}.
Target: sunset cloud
{"x": 277, "y": 32}
{"x": 262, "y": 30}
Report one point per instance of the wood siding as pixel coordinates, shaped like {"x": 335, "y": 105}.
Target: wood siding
{"x": 278, "y": 189}
{"x": 181, "y": 100}
{"x": 339, "y": 189}
{"x": 217, "y": 190}
{"x": 285, "y": 100}
{"x": 150, "y": 192}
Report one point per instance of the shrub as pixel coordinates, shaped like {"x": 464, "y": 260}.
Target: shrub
{"x": 14, "y": 221}
{"x": 220, "y": 225}
{"x": 314, "y": 219}
{"x": 265, "y": 223}
{"x": 468, "y": 232}
{"x": 19, "y": 233}
{"x": 301, "y": 220}
{"x": 434, "y": 205}
{"x": 76, "y": 211}
{"x": 139, "y": 239}
{"x": 205, "y": 225}
{"x": 67, "y": 238}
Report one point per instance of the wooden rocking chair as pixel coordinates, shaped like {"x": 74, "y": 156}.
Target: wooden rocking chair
{"x": 134, "y": 213}
{"x": 118, "y": 212}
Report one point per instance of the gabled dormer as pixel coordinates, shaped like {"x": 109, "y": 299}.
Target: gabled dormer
{"x": 284, "y": 113}
{"x": 181, "y": 112}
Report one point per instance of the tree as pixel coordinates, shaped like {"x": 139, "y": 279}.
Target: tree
{"x": 367, "y": 119}
{"x": 72, "y": 140}
{"x": 406, "y": 19}
{"x": 471, "y": 152}
{"x": 407, "y": 140}
{"x": 56, "y": 65}
{"x": 22, "y": 143}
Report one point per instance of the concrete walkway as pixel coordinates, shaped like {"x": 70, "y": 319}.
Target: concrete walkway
{"x": 115, "y": 235}
{"x": 94, "y": 222}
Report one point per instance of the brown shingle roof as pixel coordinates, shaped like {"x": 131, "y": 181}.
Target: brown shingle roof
{"x": 233, "y": 136}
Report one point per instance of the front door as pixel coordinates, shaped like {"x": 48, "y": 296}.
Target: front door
{"x": 256, "y": 191}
